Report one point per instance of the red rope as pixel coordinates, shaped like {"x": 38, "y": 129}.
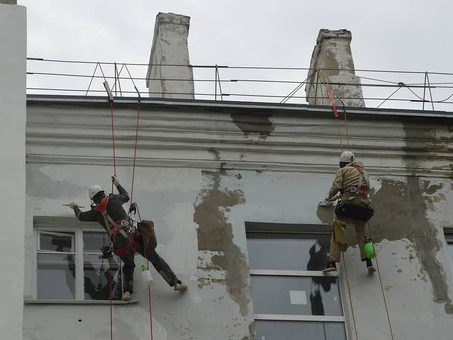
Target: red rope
{"x": 334, "y": 107}
{"x": 135, "y": 152}
{"x": 150, "y": 309}
{"x": 111, "y": 304}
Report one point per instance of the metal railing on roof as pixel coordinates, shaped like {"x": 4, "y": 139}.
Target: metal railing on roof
{"x": 381, "y": 88}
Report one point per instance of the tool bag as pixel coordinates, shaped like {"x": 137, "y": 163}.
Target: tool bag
{"x": 347, "y": 209}
{"x": 146, "y": 228}
{"x": 339, "y": 235}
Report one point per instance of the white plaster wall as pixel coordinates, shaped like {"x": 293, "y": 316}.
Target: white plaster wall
{"x": 282, "y": 177}
{"x": 13, "y": 41}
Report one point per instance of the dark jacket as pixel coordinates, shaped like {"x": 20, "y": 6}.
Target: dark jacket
{"x": 114, "y": 209}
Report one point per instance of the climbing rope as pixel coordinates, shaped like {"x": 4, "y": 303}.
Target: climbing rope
{"x": 111, "y": 303}
{"x": 382, "y": 287}
{"x": 334, "y": 107}
{"x": 132, "y": 184}
{"x": 350, "y": 296}
{"x": 326, "y": 85}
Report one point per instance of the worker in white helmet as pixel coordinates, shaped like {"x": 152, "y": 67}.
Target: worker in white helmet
{"x": 352, "y": 183}
{"x": 125, "y": 239}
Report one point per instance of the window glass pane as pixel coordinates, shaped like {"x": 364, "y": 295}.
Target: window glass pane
{"x": 450, "y": 252}
{"x": 289, "y": 253}
{"x": 56, "y": 276}
{"x": 97, "y": 278}
{"x": 94, "y": 241}
{"x": 61, "y": 242}
{"x": 296, "y": 295}
{"x": 292, "y": 330}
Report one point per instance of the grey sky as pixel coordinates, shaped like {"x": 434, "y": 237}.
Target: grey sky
{"x": 392, "y": 35}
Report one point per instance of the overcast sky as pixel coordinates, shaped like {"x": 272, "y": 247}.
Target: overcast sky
{"x": 387, "y": 34}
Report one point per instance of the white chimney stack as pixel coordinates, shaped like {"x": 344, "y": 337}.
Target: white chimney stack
{"x": 333, "y": 57}
{"x": 170, "y": 48}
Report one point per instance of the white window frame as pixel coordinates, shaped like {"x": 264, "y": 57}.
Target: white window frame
{"x": 448, "y": 233}
{"x": 276, "y": 228}
{"x": 57, "y": 225}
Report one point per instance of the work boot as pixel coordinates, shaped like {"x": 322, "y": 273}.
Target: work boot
{"x": 179, "y": 287}
{"x": 370, "y": 266}
{"x": 126, "y": 296}
{"x": 331, "y": 267}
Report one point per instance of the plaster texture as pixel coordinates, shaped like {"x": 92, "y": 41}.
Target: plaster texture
{"x": 13, "y": 42}
{"x": 332, "y": 55}
{"x": 168, "y": 76}
{"x": 202, "y": 173}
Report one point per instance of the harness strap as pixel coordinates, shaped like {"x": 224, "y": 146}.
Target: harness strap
{"x": 115, "y": 226}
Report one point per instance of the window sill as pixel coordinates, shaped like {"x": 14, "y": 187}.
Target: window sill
{"x": 78, "y": 302}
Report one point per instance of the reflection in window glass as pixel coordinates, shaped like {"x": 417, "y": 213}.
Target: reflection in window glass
{"x": 96, "y": 271}
{"x": 56, "y": 276}
{"x": 296, "y": 295}
{"x": 61, "y": 242}
{"x": 97, "y": 278}
{"x": 288, "y": 253}
{"x": 289, "y": 330}
{"x": 94, "y": 241}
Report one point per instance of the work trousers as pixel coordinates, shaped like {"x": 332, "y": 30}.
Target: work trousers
{"x": 158, "y": 262}
{"x": 361, "y": 237}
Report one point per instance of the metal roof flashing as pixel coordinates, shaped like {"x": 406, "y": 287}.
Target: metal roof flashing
{"x": 233, "y": 105}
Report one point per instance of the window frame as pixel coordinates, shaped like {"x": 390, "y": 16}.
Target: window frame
{"x": 448, "y": 234}
{"x": 59, "y": 225}
{"x": 299, "y": 229}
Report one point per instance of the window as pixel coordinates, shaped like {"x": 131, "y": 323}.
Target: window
{"x": 68, "y": 263}
{"x": 292, "y": 298}
{"x": 449, "y": 238}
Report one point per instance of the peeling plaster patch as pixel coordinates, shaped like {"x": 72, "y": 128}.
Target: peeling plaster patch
{"x": 251, "y": 335}
{"x": 388, "y": 288}
{"x": 254, "y": 124}
{"x": 391, "y": 220}
{"x": 399, "y": 271}
{"x": 215, "y": 234}
{"x": 426, "y": 242}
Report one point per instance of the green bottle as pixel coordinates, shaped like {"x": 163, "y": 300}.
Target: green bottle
{"x": 370, "y": 251}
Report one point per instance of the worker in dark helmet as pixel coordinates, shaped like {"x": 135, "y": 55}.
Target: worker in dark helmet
{"x": 352, "y": 184}
{"x": 125, "y": 238}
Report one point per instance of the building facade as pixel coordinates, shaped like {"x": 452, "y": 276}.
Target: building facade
{"x": 233, "y": 189}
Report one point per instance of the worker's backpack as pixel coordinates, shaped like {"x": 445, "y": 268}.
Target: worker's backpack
{"x": 146, "y": 228}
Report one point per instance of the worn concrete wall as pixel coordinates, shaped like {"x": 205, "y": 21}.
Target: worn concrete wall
{"x": 332, "y": 55}
{"x": 13, "y": 43}
{"x": 167, "y": 77}
{"x": 205, "y": 170}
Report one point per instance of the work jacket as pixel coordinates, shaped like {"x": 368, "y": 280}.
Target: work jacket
{"x": 114, "y": 209}
{"x": 349, "y": 176}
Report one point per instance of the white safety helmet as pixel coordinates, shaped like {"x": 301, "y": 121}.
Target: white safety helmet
{"x": 94, "y": 190}
{"x": 347, "y": 157}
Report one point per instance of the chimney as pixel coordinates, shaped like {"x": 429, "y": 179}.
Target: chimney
{"x": 170, "y": 48}
{"x": 333, "y": 57}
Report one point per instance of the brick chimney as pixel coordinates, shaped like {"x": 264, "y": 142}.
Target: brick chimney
{"x": 332, "y": 55}
{"x": 170, "y": 48}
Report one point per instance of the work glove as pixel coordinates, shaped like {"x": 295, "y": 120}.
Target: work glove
{"x": 72, "y": 205}
{"x": 115, "y": 180}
